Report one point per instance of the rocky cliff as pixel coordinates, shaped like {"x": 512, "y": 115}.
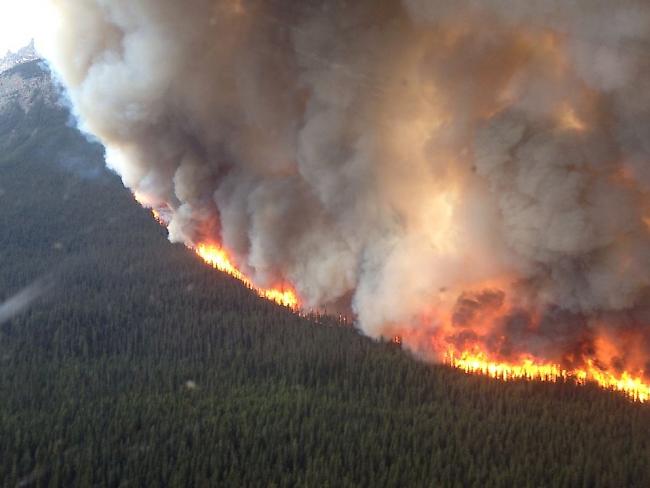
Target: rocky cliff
{"x": 23, "y": 55}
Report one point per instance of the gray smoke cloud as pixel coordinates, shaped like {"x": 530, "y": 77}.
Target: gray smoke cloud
{"x": 397, "y": 157}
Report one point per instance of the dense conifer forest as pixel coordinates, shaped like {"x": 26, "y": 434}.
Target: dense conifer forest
{"x": 136, "y": 365}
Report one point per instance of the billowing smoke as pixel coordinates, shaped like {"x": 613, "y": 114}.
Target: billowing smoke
{"x": 461, "y": 172}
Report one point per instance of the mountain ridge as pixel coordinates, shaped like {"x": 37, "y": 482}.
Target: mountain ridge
{"x": 23, "y": 55}
{"x": 142, "y": 366}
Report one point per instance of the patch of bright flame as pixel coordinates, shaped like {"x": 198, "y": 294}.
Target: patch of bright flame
{"x": 218, "y": 258}
{"x": 142, "y": 199}
{"x": 470, "y": 362}
{"x": 569, "y": 119}
{"x": 157, "y": 216}
{"x": 478, "y": 363}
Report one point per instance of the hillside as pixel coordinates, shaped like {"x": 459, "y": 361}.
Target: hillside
{"x": 136, "y": 365}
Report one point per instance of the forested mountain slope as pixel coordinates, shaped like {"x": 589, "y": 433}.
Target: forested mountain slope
{"x": 136, "y": 365}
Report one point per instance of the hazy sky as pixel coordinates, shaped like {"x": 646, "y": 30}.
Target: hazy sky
{"x": 20, "y": 20}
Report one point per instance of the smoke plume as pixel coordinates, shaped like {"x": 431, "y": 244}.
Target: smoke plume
{"x": 464, "y": 173}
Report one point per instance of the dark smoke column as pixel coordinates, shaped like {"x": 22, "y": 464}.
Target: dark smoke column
{"x": 406, "y": 160}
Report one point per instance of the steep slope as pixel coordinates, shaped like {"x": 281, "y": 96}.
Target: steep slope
{"x": 136, "y": 365}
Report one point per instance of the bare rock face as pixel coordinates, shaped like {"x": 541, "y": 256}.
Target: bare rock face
{"x": 29, "y": 98}
{"x": 23, "y": 55}
{"x": 24, "y": 84}
{"x": 25, "y": 79}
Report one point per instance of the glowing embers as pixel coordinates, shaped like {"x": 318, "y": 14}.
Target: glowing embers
{"x": 478, "y": 363}
{"x": 218, "y": 258}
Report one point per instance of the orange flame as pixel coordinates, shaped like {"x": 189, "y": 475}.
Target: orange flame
{"x": 569, "y": 119}
{"x": 218, "y": 258}
{"x": 471, "y": 362}
{"x": 148, "y": 203}
{"x": 528, "y": 368}
{"x": 157, "y": 216}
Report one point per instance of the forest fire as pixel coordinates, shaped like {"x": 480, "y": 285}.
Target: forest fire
{"x": 472, "y": 360}
{"x": 218, "y": 258}
{"x": 529, "y": 368}
{"x": 482, "y": 190}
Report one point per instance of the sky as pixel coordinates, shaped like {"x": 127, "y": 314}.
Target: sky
{"x": 20, "y": 21}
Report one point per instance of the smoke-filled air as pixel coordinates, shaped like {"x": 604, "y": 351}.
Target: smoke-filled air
{"x": 472, "y": 177}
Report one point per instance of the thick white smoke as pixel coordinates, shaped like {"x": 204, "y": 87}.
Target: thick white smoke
{"x": 392, "y": 156}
